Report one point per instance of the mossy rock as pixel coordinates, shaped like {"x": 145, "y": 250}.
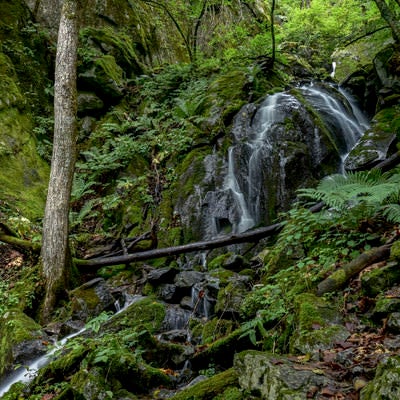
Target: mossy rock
{"x": 230, "y": 297}
{"x": 209, "y": 388}
{"x": 110, "y": 271}
{"x": 24, "y": 175}
{"x": 216, "y": 329}
{"x": 273, "y": 377}
{"x": 377, "y": 143}
{"x": 230, "y": 261}
{"x": 91, "y": 385}
{"x": 378, "y": 280}
{"x": 90, "y": 299}
{"x": 105, "y": 77}
{"x": 395, "y": 251}
{"x": 221, "y": 352}
{"x": 223, "y": 275}
{"x": 318, "y": 325}
{"x": 385, "y": 385}
{"x": 146, "y": 312}
{"x": 385, "y": 306}
{"x": 16, "y": 328}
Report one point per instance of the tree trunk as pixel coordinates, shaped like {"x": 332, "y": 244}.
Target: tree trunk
{"x": 55, "y": 254}
{"x": 245, "y": 237}
{"x": 390, "y": 17}
{"x": 340, "y": 277}
{"x": 273, "y": 32}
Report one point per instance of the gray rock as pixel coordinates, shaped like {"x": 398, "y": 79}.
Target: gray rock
{"x": 275, "y": 378}
{"x": 385, "y": 385}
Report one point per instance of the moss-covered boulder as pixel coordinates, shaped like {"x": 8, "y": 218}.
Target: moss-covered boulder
{"x": 209, "y": 388}
{"x": 91, "y": 299}
{"x": 146, "y": 312}
{"x": 272, "y": 377}
{"x": 318, "y": 325}
{"x": 378, "y": 142}
{"x": 385, "y": 385}
{"x": 21, "y": 339}
{"x": 231, "y": 296}
{"x": 378, "y": 280}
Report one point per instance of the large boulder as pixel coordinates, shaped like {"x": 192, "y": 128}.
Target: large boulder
{"x": 273, "y": 377}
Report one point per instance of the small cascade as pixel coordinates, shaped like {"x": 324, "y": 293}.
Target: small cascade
{"x": 278, "y": 146}
{"x": 27, "y": 373}
{"x": 246, "y": 221}
{"x": 202, "y": 306}
{"x": 349, "y": 125}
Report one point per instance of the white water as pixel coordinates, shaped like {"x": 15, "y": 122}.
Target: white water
{"x": 27, "y": 373}
{"x": 244, "y": 180}
{"x": 246, "y": 221}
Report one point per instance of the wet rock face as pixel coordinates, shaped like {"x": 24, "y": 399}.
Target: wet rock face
{"x": 91, "y": 299}
{"x": 288, "y": 141}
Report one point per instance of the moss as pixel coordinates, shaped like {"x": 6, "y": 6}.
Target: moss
{"x": 385, "y": 385}
{"x": 147, "y": 313}
{"x": 84, "y": 299}
{"x": 215, "y": 329}
{"x": 209, "y": 388}
{"x": 123, "y": 48}
{"x": 385, "y": 306}
{"x": 110, "y": 271}
{"x": 219, "y": 261}
{"x": 395, "y": 251}
{"x": 64, "y": 364}
{"x": 317, "y": 324}
{"x": 15, "y": 392}
{"x": 15, "y": 327}
{"x": 378, "y": 280}
{"x": 192, "y": 171}
{"x": 24, "y": 175}
{"x": 231, "y": 393}
{"x": 223, "y": 275}
{"x": 107, "y": 67}
{"x": 309, "y": 311}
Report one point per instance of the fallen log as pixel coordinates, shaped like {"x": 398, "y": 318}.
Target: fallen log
{"x": 339, "y": 278}
{"x": 245, "y": 237}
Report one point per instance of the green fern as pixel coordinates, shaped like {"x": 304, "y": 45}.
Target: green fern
{"x": 391, "y": 213}
{"x": 371, "y": 192}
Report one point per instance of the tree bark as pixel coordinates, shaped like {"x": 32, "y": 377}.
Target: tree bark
{"x": 55, "y": 254}
{"x": 246, "y": 237}
{"x": 273, "y": 33}
{"x": 390, "y": 17}
{"x": 340, "y": 277}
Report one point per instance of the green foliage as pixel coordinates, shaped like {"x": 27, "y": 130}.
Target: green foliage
{"x": 95, "y": 323}
{"x": 43, "y": 131}
{"x": 359, "y": 195}
{"x": 318, "y": 29}
{"x": 8, "y": 298}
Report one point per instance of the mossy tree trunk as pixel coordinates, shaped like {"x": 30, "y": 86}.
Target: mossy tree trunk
{"x": 391, "y": 17}
{"x": 55, "y": 253}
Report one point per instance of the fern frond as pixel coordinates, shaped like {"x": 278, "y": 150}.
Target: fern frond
{"x": 391, "y": 213}
{"x": 346, "y": 191}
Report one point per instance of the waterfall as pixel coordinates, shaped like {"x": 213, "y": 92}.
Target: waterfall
{"x": 262, "y": 167}
{"x": 26, "y": 374}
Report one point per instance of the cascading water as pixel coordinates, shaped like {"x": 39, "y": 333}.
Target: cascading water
{"x": 27, "y": 373}
{"x": 286, "y": 142}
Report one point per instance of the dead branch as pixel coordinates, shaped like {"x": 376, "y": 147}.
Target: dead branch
{"x": 339, "y": 278}
{"x": 246, "y": 237}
